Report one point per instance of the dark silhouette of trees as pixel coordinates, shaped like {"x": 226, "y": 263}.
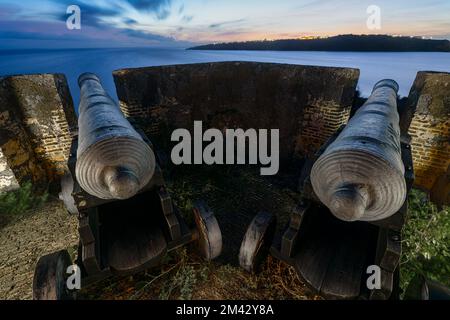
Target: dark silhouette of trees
{"x": 339, "y": 43}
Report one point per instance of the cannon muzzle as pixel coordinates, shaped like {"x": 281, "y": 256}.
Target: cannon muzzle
{"x": 113, "y": 160}
{"x": 360, "y": 176}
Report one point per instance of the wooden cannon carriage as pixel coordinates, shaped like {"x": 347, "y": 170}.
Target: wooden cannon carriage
{"x": 127, "y": 221}
{"x": 353, "y": 211}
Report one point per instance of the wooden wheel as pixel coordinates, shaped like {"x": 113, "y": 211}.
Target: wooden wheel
{"x": 256, "y": 242}
{"x": 209, "y": 234}
{"x": 421, "y": 288}
{"x": 49, "y": 281}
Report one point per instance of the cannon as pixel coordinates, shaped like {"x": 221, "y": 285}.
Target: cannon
{"x": 360, "y": 176}
{"x": 354, "y": 205}
{"x": 115, "y": 186}
{"x": 352, "y": 211}
{"x": 114, "y": 161}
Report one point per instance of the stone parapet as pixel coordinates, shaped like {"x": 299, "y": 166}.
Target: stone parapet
{"x": 36, "y": 120}
{"x": 308, "y": 104}
{"x": 429, "y": 101}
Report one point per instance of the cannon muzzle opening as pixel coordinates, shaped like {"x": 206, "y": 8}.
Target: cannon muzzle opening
{"x": 122, "y": 183}
{"x": 360, "y": 176}
{"x": 113, "y": 160}
{"x": 349, "y": 203}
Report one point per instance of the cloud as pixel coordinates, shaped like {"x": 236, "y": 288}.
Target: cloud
{"x": 27, "y": 36}
{"x": 130, "y": 21}
{"x": 161, "y": 8}
{"x": 151, "y": 5}
{"x": 181, "y": 10}
{"x": 163, "y": 14}
{"x": 96, "y": 15}
{"x": 91, "y": 15}
{"x": 106, "y": 26}
{"x": 143, "y": 35}
{"x": 8, "y": 10}
{"x": 313, "y": 3}
{"x": 221, "y": 24}
{"x": 187, "y": 18}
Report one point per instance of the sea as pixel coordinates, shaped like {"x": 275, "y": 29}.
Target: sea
{"x": 373, "y": 66}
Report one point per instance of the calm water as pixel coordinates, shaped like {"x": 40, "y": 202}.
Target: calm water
{"x": 401, "y": 67}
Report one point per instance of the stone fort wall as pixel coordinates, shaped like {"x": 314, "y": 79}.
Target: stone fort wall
{"x": 307, "y": 104}
{"x": 36, "y": 119}
{"x": 429, "y": 102}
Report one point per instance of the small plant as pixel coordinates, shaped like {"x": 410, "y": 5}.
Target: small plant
{"x": 426, "y": 244}
{"x": 21, "y": 200}
{"x": 204, "y": 273}
{"x": 184, "y": 280}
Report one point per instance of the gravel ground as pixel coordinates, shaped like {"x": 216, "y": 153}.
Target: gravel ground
{"x": 25, "y": 238}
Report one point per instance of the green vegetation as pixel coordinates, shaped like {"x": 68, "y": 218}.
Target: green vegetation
{"x": 426, "y": 244}
{"x": 184, "y": 279}
{"x": 21, "y": 200}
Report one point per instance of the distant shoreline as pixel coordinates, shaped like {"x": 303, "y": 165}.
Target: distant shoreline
{"x": 344, "y": 43}
{"x": 331, "y": 51}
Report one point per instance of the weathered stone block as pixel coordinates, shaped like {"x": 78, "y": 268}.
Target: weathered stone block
{"x": 7, "y": 179}
{"x": 308, "y": 104}
{"x": 34, "y": 109}
{"x": 429, "y": 102}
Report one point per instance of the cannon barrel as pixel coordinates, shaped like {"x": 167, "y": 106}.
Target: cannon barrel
{"x": 113, "y": 160}
{"x": 360, "y": 176}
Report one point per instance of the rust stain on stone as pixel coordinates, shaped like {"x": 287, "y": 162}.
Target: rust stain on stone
{"x": 430, "y": 131}
{"x": 12, "y": 149}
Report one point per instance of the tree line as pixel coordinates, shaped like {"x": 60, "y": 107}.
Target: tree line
{"x": 339, "y": 43}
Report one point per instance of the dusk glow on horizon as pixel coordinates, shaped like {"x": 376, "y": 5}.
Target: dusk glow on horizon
{"x": 181, "y": 23}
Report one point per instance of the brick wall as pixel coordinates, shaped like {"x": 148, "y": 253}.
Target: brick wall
{"x": 430, "y": 130}
{"x": 36, "y": 117}
{"x": 320, "y": 122}
{"x": 306, "y": 103}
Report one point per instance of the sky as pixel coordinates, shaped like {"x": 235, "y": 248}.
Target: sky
{"x": 182, "y": 23}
